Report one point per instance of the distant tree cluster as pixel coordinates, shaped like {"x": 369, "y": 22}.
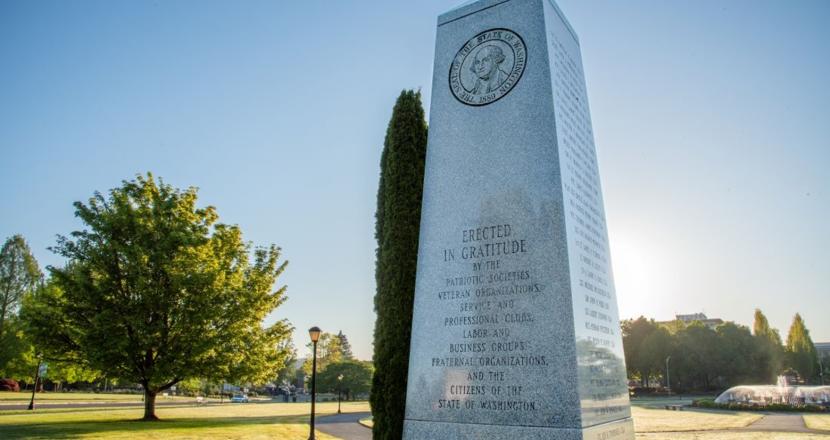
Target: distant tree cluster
{"x": 338, "y": 371}
{"x": 331, "y": 349}
{"x": 703, "y": 359}
{"x": 348, "y": 378}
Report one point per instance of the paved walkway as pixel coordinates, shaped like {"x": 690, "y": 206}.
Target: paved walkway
{"x": 345, "y": 426}
{"x": 781, "y": 423}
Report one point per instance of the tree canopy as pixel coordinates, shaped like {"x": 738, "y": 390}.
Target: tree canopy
{"x": 801, "y": 351}
{"x": 155, "y": 291}
{"x": 19, "y": 273}
{"x": 708, "y": 359}
{"x": 771, "y": 352}
{"x": 329, "y": 351}
{"x": 345, "y": 346}
{"x": 348, "y": 377}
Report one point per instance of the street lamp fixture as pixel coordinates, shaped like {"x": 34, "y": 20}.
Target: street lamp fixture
{"x": 339, "y": 390}
{"x": 314, "y": 333}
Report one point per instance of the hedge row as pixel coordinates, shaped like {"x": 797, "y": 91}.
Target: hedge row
{"x": 782, "y": 407}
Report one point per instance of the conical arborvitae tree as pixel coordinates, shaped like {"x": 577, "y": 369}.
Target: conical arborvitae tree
{"x": 398, "y": 220}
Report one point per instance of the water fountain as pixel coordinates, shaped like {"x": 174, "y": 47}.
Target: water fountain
{"x": 781, "y": 393}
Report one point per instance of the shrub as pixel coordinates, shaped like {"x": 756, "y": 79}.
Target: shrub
{"x": 737, "y": 406}
{"x": 9, "y": 385}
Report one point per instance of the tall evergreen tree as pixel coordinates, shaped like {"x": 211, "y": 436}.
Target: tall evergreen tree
{"x": 345, "y": 347}
{"x": 801, "y": 352}
{"x": 396, "y": 229}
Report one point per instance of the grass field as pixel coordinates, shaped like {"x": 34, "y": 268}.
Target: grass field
{"x": 290, "y": 421}
{"x": 229, "y": 421}
{"x": 661, "y": 420}
{"x": 728, "y": 436}
{"x": 817, "y": 421}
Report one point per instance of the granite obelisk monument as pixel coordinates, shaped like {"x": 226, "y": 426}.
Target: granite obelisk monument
{"x": 515, "y": 330}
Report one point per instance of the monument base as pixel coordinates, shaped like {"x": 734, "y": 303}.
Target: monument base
{"x": 427, "y": 430}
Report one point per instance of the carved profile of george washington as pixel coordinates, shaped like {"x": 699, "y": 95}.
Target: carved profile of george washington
{"x": 487, "y": 67}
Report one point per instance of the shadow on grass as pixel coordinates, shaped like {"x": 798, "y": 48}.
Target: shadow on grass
{"x": 78, "y": 429}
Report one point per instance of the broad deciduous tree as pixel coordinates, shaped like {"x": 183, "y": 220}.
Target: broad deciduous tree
{"x": 738, "y": 355}
{"x": 19, "y": 273}
{"x": 328, "y": 352}
{"x": 17, "y": 355}
{"x": 156, "y": 291}
{"x": 634, "y": 334}
{"x": 348, "y": 377}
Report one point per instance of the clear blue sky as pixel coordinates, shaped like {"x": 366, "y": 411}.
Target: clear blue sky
{"x": 710, "y": 117}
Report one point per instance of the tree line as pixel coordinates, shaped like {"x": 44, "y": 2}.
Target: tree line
{"x": 338, "y": 371}
{"x": 695, "y": 357}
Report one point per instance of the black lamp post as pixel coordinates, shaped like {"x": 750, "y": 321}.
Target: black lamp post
{"x": 314, "y": 333}
{"x": 37, "y": 378}
{"x": 339, "y": 390}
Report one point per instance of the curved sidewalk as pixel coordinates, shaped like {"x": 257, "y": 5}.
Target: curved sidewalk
{"x": 345, "y": 426}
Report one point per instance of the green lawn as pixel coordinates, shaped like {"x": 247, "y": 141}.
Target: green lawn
{"x": 229, "y": 421}
{"x": 728, "y": 436}
{"x": 817, "y": 421}
{"x": 661, "y": 420}
{"x": 288, "y": 421}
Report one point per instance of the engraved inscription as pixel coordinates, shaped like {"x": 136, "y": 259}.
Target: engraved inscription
{"x": 602, "y": 374}
{"x": 488, "y": 320}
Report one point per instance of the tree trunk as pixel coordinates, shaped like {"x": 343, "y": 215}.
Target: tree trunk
{"x": 2, "y": 317}
{"x": 149, "y": 405}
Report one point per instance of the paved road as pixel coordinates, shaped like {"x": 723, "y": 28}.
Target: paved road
{"x": 345, "y": 426}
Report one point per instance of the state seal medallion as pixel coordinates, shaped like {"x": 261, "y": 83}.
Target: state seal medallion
{"x": 487, "y": 67}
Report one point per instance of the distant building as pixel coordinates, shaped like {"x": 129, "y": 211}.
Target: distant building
{"x": 823, "y": 348}
{"x": 688, "y": 319}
